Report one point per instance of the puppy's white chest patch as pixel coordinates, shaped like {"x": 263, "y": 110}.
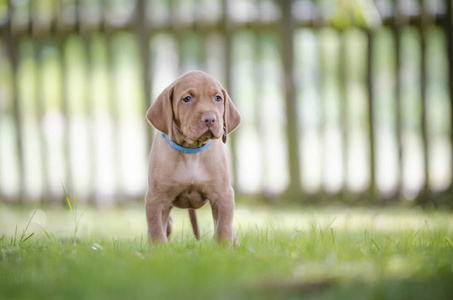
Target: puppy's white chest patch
{"x": 191, "y": 170}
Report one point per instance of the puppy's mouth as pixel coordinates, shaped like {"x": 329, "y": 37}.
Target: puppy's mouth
{"x": 203, "y": 136}
{"x": 206, "y": 136}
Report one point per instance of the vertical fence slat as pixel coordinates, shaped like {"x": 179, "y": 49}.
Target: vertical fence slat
{"x": 174, "y": 21}
{"x": 2, "y": 112}
{"x": 144, "y": 35}
{"x": 373, "y": 192}
{"x": 423, "y": 197}
{"x": 259, "y": 93}
{"x": 112, "y": 100}
{"x": 61, "y": 42}
{"x": 258, "y": 89}
{"x": 227, "y": 69}
{"x": 448, "y": 24}
{"x": 88, "y": 99}
{"x": 287, "y": 35}
{"x": 39, "y": 96}
{"x": 343, "y": 83}
{"x": 399, "y": 109}
{"x": 12, "y": 47}
{"x": 321, "y": 130}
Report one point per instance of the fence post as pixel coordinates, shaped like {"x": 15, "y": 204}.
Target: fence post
{"x": 373, "y": 192}
{"x": 424, "y": 196}
{"x": 88, "y": 99}
{"x": 37, "y": 36}
{"x": 227, "y": 65}
{"x": 343, "y": 85}
{"x": 61, "y": 42}
{"x": 294, "y": 189}
{"x": 143, "y": 34}
{"x": 448, "y": 24}
{"x": 449, "y": 33}
{"x": 398, "y": 80}
{"x": 13, "y": 56}
{"x": 112, "y": 98}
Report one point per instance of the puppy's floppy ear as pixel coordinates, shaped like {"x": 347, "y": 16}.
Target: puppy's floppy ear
{"x": 160, "y": 114}
{"x": 231, "y": 116}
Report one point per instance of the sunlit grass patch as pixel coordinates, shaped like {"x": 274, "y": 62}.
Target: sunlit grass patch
{"x": 329, "y": 253}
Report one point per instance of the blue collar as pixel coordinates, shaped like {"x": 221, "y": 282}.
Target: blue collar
{"x": 183, "y": 149}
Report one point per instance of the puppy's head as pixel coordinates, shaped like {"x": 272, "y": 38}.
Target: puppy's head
{"x": 196, "y": 107}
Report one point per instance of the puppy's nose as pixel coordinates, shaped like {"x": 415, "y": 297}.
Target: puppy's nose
{"x": 208, "y": 119}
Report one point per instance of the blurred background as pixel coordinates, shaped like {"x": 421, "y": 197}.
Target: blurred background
{"x": 342, "y": 100}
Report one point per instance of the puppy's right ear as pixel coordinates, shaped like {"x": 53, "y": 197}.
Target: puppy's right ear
{"x": 231, "y": 116}
{"x": 160, "y": 114}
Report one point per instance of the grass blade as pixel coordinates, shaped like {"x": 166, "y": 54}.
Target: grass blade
{"x": 390, "y": 239}
{"x": 13, "y": 241}
{"x": 23, "y": 241}
{"x": 75, "y": 203}
{"x": 375, "y": 244}
{"x": 77, "y": 223}
{"x": 427, "y": 225}
{"x": 331, "y": 222}
{"x": 45, "y": 231}
{"x": 67, "y": 197}
{"x": 26, "y": 228}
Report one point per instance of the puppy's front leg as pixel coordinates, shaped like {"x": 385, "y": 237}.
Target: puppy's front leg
{"x": 223, "y": 212}
{"x": 157, "y": 216}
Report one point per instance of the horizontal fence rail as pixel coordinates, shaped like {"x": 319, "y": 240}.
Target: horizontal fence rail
{"x": 348, "y": 100}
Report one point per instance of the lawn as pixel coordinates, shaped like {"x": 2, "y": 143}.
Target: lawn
{"x": 284, "y": 253}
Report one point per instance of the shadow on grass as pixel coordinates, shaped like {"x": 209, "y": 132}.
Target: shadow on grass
{"x": 427, "y": 286}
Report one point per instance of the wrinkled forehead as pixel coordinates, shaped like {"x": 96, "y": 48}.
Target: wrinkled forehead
{"x": 197, "y": 83}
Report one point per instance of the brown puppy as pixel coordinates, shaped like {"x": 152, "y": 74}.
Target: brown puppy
{"x": 188, "y": 164}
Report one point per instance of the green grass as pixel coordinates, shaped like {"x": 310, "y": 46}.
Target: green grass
{"x": 322, "y": 253}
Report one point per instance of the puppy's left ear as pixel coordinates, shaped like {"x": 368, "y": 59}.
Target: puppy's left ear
{"x": 231, "y": 116}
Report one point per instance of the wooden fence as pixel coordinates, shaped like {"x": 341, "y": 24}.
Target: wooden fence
{"x": 342, "y": 98}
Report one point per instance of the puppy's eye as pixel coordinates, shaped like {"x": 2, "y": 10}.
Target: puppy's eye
{"x": 218, "y": 98}
{"x": 187, "y": 99}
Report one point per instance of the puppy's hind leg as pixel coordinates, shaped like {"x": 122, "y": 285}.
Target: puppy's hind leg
{"x": 169, "y": 225}
{"x": 194, "y": 223}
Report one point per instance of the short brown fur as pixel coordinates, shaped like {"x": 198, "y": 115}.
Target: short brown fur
{"x": 177, "y": 179}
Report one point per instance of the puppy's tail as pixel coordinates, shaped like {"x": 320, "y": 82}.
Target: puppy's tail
{"x": 194, "y": 223}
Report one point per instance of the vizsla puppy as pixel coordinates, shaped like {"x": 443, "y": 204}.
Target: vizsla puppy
{"x": 188, "y": 164}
